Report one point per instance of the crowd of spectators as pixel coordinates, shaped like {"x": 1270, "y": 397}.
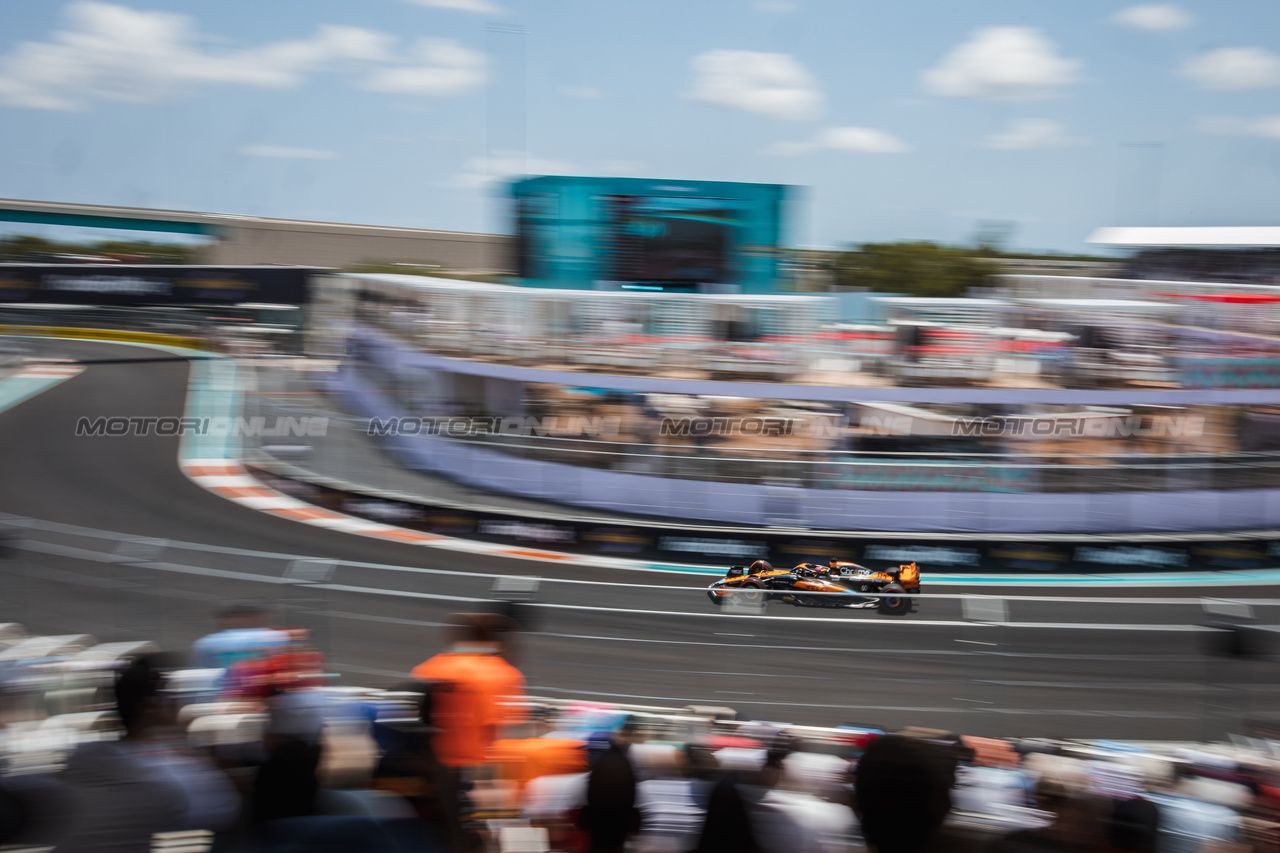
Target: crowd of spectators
{"x": 248, "y": 746}
{"x": 1243, "y": 266}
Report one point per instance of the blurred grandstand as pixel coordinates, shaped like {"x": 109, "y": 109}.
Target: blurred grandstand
{"x": 60, "y": 698}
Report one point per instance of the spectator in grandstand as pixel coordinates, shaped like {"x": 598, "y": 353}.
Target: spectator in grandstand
{"x": 671, "y": 803}
{"x": 13, "y": 815}
{"x": 552, "y": 802}
{"x": 988, "y": 782}
{"x": 745, "y": 813}
{"x": 242, "y": 635}
{"x": 288, "y": 808}
{"x": 411, "y": 770}
{"x": 813, "y": 788}
{"x": 504, "y": 630}
{"x": 610, "y": 815}
{"x": 285, "y": 682}
{"x": 781, "y": 823}
{"x": 727, "y": 826}
{"x": 1135, "y": 824}
{"x": 1132, "y": 820}
{"x": 1262, "y": 820}
{"x": 477, "y": 692}
{"x": 288, "y": 668}
{"x": 30, "y": 801}
{"x": 902, "y": 794}
{"x": 1078, "y": 821}
{"x": 286, "y": 784}
{"x": 118, "y": 793}
{"x": 1196, "y": 813}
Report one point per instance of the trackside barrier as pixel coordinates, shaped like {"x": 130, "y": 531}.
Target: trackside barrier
{"x": 106, "y": 335}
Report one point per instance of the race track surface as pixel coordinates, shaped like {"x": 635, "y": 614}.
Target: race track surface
{"x": 1110, "y": 667}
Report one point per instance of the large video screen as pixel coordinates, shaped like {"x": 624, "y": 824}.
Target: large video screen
{"x": 536, "y": 224}
{"x": 671, "y": 240}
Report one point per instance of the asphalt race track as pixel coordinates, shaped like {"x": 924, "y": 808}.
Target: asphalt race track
{"x": 127, "y": 548}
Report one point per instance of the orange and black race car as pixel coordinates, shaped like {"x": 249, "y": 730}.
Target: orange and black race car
{"x": 840, "y": 584}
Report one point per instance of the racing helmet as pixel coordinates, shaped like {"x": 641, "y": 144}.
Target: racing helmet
{"x": 759, "y": 566}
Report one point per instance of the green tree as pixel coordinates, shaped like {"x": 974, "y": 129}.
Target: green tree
{"x": 22, "y": 245}
{"x": 914, "y": 268}
{"x": 25, "y": 247}
{"x": 145, "y": 251}
{"x": 432, "y": 270}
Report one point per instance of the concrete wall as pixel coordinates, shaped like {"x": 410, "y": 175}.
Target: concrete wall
{"x": 246, "y": 240}
{"x": 324, "y": 244}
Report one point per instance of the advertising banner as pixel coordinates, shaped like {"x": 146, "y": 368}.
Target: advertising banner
{"x": 724, "y": 547}
{"x": 121, "y": 284}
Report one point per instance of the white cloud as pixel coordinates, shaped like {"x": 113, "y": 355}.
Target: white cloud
{"x": 1025, "y": 134}
{"x": 285, "y": 152}
{"x": 585, "y": 92}
{"x": 864, "y": 140}
{"x": 790, "y": 149}
{"x": 503, "y": 165}
{"x": 1267, "y": 127}
{"x": 1234, "y": 68}
{"x": 506, "y": 165}
{"x": 772, "y": 84}
{"x": 1002, "y": 64}
{"x": 1154, "y": 18}
{"x": 109, "y": 52}
{"x": 481, "y": 7}
{"x": 113, "y": 53}
{"x": 439, "y": 67}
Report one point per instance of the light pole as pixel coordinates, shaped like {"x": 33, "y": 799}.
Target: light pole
{"x": 494, "y": 104}
{"x": 493, "y": 111}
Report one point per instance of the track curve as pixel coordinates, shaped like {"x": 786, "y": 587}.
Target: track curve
{"x": 132, "y": 484}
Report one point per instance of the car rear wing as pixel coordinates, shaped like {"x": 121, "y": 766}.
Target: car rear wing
{"x": 908, "y": 574}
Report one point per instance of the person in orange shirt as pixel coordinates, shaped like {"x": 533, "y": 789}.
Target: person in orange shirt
{"x": 476, "y": 691}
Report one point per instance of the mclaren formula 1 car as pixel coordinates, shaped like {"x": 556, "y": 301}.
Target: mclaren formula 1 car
{"x": 841, "y": 584}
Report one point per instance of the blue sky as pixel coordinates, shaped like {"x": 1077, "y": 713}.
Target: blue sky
{"x": 915, "y": 120}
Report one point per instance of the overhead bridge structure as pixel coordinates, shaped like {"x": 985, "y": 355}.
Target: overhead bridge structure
{"x": 247, "y": 240}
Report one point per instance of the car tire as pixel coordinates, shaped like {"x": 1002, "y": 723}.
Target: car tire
{"x": 894, "y": 601}
{"x": 752, "y": 593}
